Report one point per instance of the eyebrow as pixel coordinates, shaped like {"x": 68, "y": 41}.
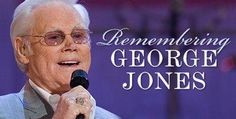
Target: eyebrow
{"x": 74, "y": 28}
{"x": 79, "y": 26}
{"x": 52, "y": 29}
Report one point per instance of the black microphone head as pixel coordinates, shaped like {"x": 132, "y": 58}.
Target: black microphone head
{"x": 79, "y": 77}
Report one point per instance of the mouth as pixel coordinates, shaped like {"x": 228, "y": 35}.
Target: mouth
{"x": 68, "y": 63}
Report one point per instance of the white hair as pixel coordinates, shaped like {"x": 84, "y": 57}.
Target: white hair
{"x": 22, "y": 19}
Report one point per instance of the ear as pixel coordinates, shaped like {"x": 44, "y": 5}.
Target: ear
{"x": 22, "y": 51}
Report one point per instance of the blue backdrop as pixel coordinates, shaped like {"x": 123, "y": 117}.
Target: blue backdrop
{"x": 146, "y": 19}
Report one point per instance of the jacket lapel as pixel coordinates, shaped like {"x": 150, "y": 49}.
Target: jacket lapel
{"x": 34, "y": 106}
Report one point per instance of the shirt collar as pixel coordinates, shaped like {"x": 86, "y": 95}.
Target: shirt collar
{"x": 44, "y": 94}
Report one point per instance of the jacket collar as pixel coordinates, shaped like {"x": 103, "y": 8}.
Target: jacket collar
{"x": 34, "y": 105}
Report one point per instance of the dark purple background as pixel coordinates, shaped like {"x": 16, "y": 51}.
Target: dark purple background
{"x": 145, "y": 18}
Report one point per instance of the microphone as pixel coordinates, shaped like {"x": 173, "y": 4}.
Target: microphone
{"x": 79, "y": 77}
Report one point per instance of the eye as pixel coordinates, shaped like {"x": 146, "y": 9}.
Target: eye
{"x": 77, "y": 35}
{"x": 54, "y": 38}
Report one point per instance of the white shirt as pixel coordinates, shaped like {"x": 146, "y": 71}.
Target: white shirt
{"x": 53, "y": 99}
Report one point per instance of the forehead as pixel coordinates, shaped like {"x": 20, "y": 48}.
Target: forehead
{"x": 56, "y": 16}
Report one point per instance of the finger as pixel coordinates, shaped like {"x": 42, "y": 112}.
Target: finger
{"x": 84, "y": 104}
{"x": 76, "y": 96}
{"x": 79, "y": 91}
{"x": 92, "y": 114}
{"x": 86, "y": 113}
{"x": 78, "y": 88}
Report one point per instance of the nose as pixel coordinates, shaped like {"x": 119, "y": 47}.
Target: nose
{"x": 69, "y": 44}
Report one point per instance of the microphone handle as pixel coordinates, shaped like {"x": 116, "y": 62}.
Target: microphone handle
{"x": 80, "y": 116}
{"x": 79, "y": 77}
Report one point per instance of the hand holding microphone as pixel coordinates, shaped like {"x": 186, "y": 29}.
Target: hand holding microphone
{"x": 79, "y": 77}
{"x": 76, "y": 103}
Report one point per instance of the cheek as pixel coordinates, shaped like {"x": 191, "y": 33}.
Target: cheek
{"x": 42, "y": 57}
{"x": 40, "y": 63}
{"x": 86, "y": 55}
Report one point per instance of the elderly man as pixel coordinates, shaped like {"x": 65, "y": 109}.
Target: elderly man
{"x": 51, "y": 40}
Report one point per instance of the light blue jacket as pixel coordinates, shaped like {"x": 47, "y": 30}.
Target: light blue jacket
{"x": 27, "y": 104}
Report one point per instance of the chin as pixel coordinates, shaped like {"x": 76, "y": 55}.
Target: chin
{"x": 61, "y": 90}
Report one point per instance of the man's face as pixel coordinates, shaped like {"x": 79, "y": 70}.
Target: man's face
{"x": 51, "y": 67}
